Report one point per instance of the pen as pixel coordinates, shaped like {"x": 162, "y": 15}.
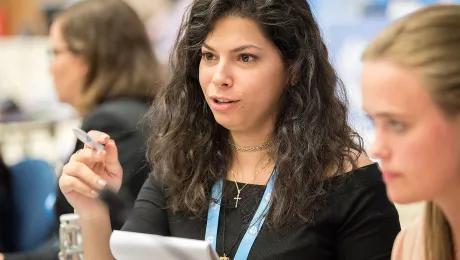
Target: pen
{"x": 86, "y": 139}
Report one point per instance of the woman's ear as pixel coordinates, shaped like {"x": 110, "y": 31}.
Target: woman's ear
{"x": 83, "y": 66}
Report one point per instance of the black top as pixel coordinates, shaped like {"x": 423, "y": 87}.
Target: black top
{"x": 357, "y": 223}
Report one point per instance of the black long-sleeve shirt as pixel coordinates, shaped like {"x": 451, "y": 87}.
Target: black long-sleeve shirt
{"x": 358, "y": 221}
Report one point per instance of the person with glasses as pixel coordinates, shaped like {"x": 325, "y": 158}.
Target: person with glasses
{"x": 103, "y": 65}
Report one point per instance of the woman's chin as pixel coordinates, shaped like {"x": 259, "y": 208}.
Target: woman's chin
{"x": 226, "y": 122}
{"x": 402, "y": 197}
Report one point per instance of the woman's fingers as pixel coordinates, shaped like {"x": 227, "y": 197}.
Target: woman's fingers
{"x": 90, "y": 156}
{"x": 111, "y": 153}
{"x": 99, "y": 137}
{"x": 69, "y": 184}
{"x": 82, "y": 172}
{"x": 109, "y": 156}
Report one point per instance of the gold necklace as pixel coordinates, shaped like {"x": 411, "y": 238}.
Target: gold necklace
{"x": 251, "y": 148}
{"x": 238, "y": 198}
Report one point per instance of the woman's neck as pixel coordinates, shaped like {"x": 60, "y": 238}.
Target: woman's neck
{"x": 251, "y": 167}
{"x": 251, "y": 138}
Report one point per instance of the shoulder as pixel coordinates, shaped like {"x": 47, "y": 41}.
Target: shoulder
{"x": 361, "y": 210}
{"x": 118, "y": 113}
{"x": 124, "y": 104}
{"x": 361, "y": 161}
{"x": 353, "y": 160}
{"x": 123, "y": 107}
{"x": 360, "y": 195}
{"x": 409, "y": 243}
{"x": 366, "y": 175}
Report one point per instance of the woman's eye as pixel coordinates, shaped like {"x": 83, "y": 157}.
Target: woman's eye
{"x": 396, "y": 125}
{"x": 207, "y": 56}
{"x": 246, "y": 58}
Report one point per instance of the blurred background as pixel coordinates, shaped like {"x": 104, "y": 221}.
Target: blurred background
{"x": 33, "y": 124}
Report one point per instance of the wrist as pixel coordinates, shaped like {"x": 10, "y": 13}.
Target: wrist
{"x": 95, "y": 214}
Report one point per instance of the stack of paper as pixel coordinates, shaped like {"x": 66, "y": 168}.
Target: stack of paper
{"x": 129, "y": 245}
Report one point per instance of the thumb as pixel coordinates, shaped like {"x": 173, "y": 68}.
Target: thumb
{"x": 111, "y": 156}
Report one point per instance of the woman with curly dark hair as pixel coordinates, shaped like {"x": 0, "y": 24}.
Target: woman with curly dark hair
{"x": 253, "y": 153}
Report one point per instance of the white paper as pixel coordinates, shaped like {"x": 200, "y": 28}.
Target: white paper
{"x": 129, "y": 245}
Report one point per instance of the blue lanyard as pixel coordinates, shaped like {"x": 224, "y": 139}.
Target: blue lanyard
{"x": 254, "y": 227}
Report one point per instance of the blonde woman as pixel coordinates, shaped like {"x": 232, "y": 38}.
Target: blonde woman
{"x": 411, "y": 90}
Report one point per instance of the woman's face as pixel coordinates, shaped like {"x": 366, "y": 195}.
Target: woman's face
{"x": 418, "y": 146}
{"x": 67, "y": 69}
{"x": 242, "y": 75}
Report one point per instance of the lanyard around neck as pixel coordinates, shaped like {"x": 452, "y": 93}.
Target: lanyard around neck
{"x": 257, "y": 221}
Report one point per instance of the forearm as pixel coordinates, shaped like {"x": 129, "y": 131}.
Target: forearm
{"x": 96, "y": 233}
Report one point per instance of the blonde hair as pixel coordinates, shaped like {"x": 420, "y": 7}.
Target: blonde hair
{"x": 429, "y": 42}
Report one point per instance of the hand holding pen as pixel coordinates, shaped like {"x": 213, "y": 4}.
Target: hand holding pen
{"x": 89, "y": 170}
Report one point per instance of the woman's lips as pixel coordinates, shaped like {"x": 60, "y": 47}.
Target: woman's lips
{"x": 390, "y": 176}
{"x": 222, "y": 103}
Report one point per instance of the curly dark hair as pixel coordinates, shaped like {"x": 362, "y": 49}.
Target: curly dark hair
{"x": 189, "y": 150}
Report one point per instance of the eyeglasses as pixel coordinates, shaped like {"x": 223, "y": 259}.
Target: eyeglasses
{"x": 54, "y": 52}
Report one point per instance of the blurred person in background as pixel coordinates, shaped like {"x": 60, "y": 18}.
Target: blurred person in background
{"x": 411, "y": 91}
{"x": 104, "y": 67}
{"x": 109, "y": 74}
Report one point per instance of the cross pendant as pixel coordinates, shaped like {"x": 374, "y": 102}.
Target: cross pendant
{"x": 224, "y": 258}
{"x": 237, "y": 198}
